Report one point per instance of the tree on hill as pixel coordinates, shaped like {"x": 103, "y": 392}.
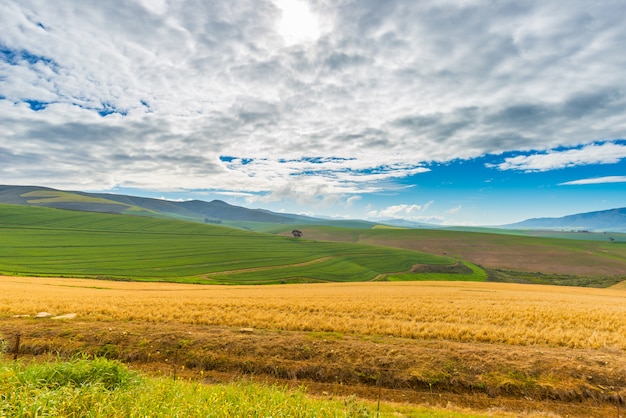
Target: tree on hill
{"x": 296, "y": 233}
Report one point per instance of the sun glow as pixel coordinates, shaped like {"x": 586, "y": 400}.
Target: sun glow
{"x": 297, "y": 23}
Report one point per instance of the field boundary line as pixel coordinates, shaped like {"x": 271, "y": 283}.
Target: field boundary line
{"x": 282, "y": 266}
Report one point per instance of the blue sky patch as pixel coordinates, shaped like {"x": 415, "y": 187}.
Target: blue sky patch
{"x": 17, "y": 56}
{"x": 36, "y": 105}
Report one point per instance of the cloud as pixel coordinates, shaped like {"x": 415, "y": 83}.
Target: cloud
{"x": 455, "y": 210}
{"x": 595, "y": 180}
{"x": 173, "y": 200}
{"x": 150, "y": 94}
{"x": 409, "y": 212}
{"x": 597, "y": 153}
{"x": 352, "y": 200}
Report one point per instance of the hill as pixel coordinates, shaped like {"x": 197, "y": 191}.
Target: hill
{"x": 606, "y": 220}
{"x": 215, "y": 211}
{"x": 507, "y": 256}
{"x": 52, "y": 242}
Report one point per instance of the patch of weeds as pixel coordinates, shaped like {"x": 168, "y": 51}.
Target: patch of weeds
{"x": 81, "y": 372}
{"x": 184, "y": 343}
{"x": 4, "y": 345}
{"x": 324, "y": 335}
{"x": 509, "y": 276}
{"x": 430, "y": 378}
{"x": 143, "y": 343}
{"x": 67, "y": 333}
{"x": 354, "y": 408}
{"x": 512, "y": 383}
{"x": 108, "y": 351}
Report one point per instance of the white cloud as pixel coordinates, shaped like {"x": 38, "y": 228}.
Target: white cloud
{"x": 173, "y": 200}
{"x": 235, "y": 194}
{"x": 397, "y": 211}
{"x": 604, "y": 153}
{"x": 352, "y": 200}
{"x": 150, "y": 94}
{"x": 455, "y": 210}
{"x": 596, "y": 180}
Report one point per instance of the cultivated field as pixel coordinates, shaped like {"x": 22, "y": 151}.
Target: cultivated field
{"x": 466, "y": 312}
{"x": 378, "y": 317}
{"x": 603, "y": 261}
{"x": 52, "y": 242}
{"x": 484, "y": 345}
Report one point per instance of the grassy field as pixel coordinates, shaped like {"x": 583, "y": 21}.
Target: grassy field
{"x": 480, "y": 345}
{"x": 600, "y": 263}
{"x": 42, "y": 241}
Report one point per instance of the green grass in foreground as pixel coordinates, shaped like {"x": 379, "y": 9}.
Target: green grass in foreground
{"x": 104, "y": 388}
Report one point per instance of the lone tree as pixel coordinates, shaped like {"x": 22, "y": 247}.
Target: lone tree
{"x": 296, "y": 233}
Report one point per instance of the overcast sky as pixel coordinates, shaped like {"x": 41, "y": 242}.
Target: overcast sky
{"x": 447, "y": 111}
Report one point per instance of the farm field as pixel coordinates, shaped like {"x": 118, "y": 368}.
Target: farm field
{"x": 44, "y": 241}
{"x": 599, "y": 261}
{"x": 542, "y": 350}
{"x": 52, "y": 242}
{"x": 415, "y": 317}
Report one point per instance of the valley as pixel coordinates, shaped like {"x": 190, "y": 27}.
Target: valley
{"x": 479, "y": 324}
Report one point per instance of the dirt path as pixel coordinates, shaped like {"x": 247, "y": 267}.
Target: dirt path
{"x": 527, "y": 380}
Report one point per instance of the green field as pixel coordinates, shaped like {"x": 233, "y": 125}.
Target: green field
{"x": 52, "y": 242}
{"x": 505, "y": 256}
{"x": 55, "y": 242}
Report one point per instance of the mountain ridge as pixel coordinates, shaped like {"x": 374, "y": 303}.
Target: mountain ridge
{"x": 218, "y": 211}
{"x": 215, "y": 211}
{"x": 603, "y": 220}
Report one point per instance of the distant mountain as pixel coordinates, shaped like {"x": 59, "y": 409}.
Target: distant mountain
{"x": 606, "y": 220}
{"x": 215, "y": 211}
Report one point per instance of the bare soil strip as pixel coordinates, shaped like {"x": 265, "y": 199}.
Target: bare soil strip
{"x": 530, "y": 380}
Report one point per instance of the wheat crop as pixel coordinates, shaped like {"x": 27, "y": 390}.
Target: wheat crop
{"x": 456, "y": 311}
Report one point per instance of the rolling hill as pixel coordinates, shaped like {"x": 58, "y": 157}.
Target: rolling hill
{"x": 607, "y": 220}
{"x": 39, "y": 241}
{"x": 219, "y": 212}
{"x": 216, "y": 211}
{"x": 53, "y": 242}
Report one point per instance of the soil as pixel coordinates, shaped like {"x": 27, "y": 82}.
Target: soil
{"x": 524, "y": 380}
{"x": 494, "y": 251}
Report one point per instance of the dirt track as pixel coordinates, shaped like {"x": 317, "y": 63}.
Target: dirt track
{"x": 588, "y": 383}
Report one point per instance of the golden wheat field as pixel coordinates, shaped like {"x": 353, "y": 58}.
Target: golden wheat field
{"x": 456, "y": 311}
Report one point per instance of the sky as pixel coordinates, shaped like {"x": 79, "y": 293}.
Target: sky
{"x": 453, "y": 112}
